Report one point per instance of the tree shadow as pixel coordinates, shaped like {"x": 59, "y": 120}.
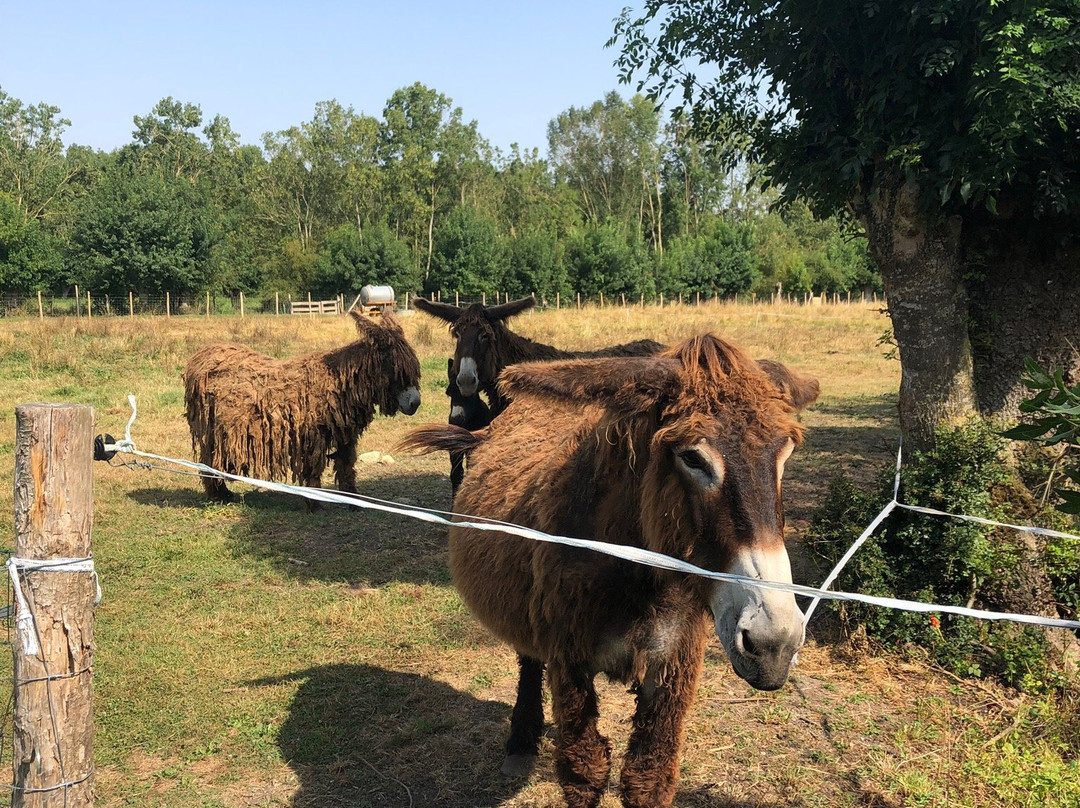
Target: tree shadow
{"x": 335, "y": 542}
{"x": 359, "y": 735}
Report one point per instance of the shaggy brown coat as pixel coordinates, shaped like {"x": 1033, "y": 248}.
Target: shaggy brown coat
{"x": 680, "y": 453}
{"x": 481, "y": 334}
{"x": 279, "y": 419}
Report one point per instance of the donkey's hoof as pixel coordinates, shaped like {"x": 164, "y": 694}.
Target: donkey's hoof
{"x": 518, "y": 765}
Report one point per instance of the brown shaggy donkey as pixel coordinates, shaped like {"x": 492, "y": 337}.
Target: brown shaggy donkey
{"x": 485, "y": 346}
{"x": 286, "y": 418}
{"x": 680, "y": 453}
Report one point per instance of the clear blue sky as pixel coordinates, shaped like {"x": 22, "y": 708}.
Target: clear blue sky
{"x": 511, "y": 67}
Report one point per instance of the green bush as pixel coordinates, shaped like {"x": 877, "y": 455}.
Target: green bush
{"x": 941, "y": 560}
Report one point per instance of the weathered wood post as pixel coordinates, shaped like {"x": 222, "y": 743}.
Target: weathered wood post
{"x": 53, "y": 714}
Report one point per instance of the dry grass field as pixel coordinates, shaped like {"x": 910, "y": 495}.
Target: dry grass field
{"x": 255, "y": 655}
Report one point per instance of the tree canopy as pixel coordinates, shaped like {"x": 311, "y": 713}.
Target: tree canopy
{"x": 414, "y": 197}
{"x": 978, "y": 101}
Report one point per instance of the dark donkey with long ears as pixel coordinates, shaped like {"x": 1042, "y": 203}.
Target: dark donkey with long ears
{"x": 485, "y": 346}
{"x": 468, "y": 412}
{"x": 681, "y": 453}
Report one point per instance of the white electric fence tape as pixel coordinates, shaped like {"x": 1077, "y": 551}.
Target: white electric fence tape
{"x": 24, "y": 623}
{"x": 634, "y": 554}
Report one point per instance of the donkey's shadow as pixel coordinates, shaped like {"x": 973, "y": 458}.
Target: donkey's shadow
{"x": 359, "y": 735}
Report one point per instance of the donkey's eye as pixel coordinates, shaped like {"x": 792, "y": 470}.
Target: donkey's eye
{"x": 705, "y": 468}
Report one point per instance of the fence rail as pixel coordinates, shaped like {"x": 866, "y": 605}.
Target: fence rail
{"x": 90, "y": 304}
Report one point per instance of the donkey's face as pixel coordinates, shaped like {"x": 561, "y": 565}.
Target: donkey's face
{"x": 474, "y": 361}
{"x": 719, "y": 428}
{"x": 476, "y": 330}
{"x": 720, "y": 482}
{"x": 399, "y": 376}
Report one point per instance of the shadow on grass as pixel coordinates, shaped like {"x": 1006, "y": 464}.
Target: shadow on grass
{"x": 335, "y": 542}
{"x": 358, "y": 735}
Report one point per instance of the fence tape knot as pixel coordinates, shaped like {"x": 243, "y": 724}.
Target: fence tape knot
{"x": 24, "y": 622}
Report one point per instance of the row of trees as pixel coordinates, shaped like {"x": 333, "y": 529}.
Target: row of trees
{"x": 416, "y": 199}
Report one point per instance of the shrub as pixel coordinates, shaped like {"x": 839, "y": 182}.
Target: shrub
{"x": 948, "y": 561}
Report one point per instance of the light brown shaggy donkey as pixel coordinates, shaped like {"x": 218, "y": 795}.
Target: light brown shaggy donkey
{"x": 681, "y": 453}
{"x": 280, "y": 419}
{"x": 484, "y": 346}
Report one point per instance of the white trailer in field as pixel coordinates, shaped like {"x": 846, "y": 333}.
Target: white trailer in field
{"x": 375, "y": 298}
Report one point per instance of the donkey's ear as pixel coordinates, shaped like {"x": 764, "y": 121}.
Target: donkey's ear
{"x": 385, "y": 322}
{"x": 800, "y": 391}
{"x": 506, "y": 310}
{"x": 631, "y": 384}
{"x": 361, "y": 321}
{"x": 444, "y": 311}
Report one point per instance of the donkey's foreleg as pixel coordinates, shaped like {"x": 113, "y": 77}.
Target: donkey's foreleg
{"x": 582, "y": 755}
{"x": 345, "y": 467}
{"x": 216, "y": 490}
{"x": 651, "y": 766}
{"x": 527, "y": 720}
{"x": 457, "y": 471}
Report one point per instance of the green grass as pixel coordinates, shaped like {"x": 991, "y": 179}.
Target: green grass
{"x": 257, "y": 655}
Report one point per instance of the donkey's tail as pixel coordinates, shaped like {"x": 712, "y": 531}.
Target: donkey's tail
{"x": 440, "y": 438}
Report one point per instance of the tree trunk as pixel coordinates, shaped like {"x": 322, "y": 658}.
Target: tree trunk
{"x": 920, "y": 263}
{"x": 1025, "y": 303}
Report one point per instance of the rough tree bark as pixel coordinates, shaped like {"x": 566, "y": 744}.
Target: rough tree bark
{"x": 1025, "y": 303}
{"x": 920, "y": 263}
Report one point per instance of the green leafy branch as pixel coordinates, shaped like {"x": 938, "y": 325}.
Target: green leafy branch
{"x": 1057, "y": 407}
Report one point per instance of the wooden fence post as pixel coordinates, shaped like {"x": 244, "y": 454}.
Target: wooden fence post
{"x": 40, "y": 307}
{"x": 53, "y": 753}
{"x": 131, "y": 304}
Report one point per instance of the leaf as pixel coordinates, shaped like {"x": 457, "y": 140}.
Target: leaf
{"x": 1071, "y": 502}
{"x": 1038, "y": 377}
{"x": 1027, "y": 431}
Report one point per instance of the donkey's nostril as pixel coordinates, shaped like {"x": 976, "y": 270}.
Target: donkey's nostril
{"x": 748, "y": 644}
